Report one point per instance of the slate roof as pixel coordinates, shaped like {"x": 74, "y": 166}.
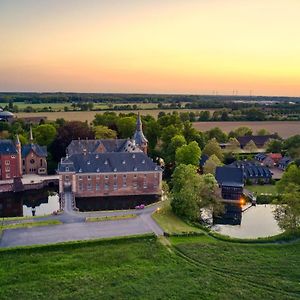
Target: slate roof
{"x": 260, "y": 156}
{"x": 37, "y": 149}
{"x": 259, "y": 140}
{"x": 252, "y": 170}
{"x": 108, "y": 162}
{"x": 7, "y": 147}
{"x": 110, "y": 145}
{"x": 229, "y": 176}
{"x": 138, "y": 136}
{"x": 285, "y": 161}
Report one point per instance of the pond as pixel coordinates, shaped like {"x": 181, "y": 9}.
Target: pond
{"x": 29, "y": 203}
{"x": 257, "y": 221}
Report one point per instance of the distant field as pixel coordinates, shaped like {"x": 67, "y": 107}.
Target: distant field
{"x": 89, "y": 115}
{"x": 284, "y": 129}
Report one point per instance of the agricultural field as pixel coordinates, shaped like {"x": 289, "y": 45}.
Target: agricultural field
{"x": 89, "y": 115}
{"x": 145, "y": 268}
{"x": 284, "y": 129}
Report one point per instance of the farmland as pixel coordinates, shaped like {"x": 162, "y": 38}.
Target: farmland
{"x": 89, "y": 115}
{"x": 144, "y": 268}
{"x": 284, "y": 129}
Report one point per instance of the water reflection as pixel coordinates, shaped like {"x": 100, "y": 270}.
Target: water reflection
{"x": 29, "y": 203}
{"x": 257, "y": 221}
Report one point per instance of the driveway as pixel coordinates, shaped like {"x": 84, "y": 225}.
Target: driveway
{"x": 73, "y": 232}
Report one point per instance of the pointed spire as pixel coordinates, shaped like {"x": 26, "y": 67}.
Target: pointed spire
{"x": 139, "y": 122}
{"x": 31, "y": 136}
{"x": 18, "y": 140}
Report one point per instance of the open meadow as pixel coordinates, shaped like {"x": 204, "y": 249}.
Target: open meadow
{"x": 285, "y": 128}
{"x": 148, "y": 268}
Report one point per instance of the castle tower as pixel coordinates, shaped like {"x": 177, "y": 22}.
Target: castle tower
{"x": 138, "y": 137}
{"x": 19, "y": 156}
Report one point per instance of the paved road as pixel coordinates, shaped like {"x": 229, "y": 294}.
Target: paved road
{"x": 73, "y": 232}
{"x": 75, "y": 228}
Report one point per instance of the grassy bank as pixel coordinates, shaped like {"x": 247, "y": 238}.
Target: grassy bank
{"x": 29, "y": 224}
{"x": 142, "y": 268}
{"x": 110, "y": 218}
{"x": 170, "y": 223}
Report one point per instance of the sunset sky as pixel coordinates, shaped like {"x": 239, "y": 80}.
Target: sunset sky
{"x": 151, "y": 46}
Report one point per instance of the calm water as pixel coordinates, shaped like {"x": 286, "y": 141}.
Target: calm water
{"x": 29, "y": 203}
{"x": 257, "y": 221}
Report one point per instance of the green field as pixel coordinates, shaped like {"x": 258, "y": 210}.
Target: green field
{"x": 143, "y": 268}
{"x": 262, "y": 189}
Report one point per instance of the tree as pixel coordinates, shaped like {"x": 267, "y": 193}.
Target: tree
{"x": 152, "y": 131}
{"x": 188, "y": 154}
{"x": 168, "y": 133}
{"x": 292, "y": 145}
{"x": 250, "y": 147}
{"x": 233, "y": 145}
{"x": 274, "y": 146}
{"x": 204, "y": 115}
{"x": 218, "y": 134}
{"x": 191, "y": 134}
{"x": 211, "y": 164}
{"x": 103, "y": 132}
{"x": 288, "y": 213}
{"x": 242, "y": 131}
{"x": 290, "y": 176}
{"x": 45, "y": 134}
{"x": 126, "y": 126}
{"x": 66, "y": 133}
{"x": 262, "y": 132}
{"x": 192, "y": 192}
{"x": 213, "y": 147}
{"x": 176, "y": 142}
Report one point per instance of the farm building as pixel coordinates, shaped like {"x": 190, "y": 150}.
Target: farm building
{"x": 231, "y": 182}
{"x": 253, "y": 172}
{"x": 269, "y": 160}
{"x": 284, "y": 162}
{"x": 259, "y": 140}
{"x": 6, "y": 116}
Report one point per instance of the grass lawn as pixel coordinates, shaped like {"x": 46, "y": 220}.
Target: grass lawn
{"x": 110, "y": 218}
{"x": 170, "y": 223}
{"x": 262, "y": 189}
{"x": 143, "y": 268}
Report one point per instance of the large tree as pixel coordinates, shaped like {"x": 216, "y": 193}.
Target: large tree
{"x": 103, "y": 132}
{"x": 126, "y": 127}
{"x": 213, "y": 147}
{"x": 188, "y": 154}
{"x": 169, "y": 152}
{"x": 211, "y": 164}
{"x": 290, "y": 176}
{"x": 192, "y": 192}
{"x": 45, "y": 134}
{"x": 66, "y": 133}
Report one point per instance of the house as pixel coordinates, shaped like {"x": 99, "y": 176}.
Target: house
{"x": 259, "y": 140}
{"x": 253, "y": 172}
{"x": 34, "y": 158}
{"x": 111, "y": 170}
{"x": 10, "y": 159}
{"x": 231, "y": 182}
{"x": 269, "y": 160}
{"x": 284, "y": 162}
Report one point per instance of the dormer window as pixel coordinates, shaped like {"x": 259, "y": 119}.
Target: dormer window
{"x": 98, "y": 170}
{"x": 88, "y": 162}
{"x": 80, "y": 170}
{"x": 135, "y": 169}
{"x": 106, "y": 162}
{"x": 143, "y": 161}
{"x": 123, "y": 162}
{"x": 133, "y": 155}
{"x": 67, "y": 169}
{"x": 97, "y": 156}
{"x": 115, "y": 170}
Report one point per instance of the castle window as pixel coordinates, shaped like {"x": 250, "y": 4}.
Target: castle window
{"x": 32, "y": 161}
{"x": 89, "y": 177}
{"x": 7, "y": 162}
{"x": 89, "y": 186}
{"x": 115, "y": 186}
{"x": 67, "y": 169}
{"x": 8, "y": 175}
{"x": 80, "y": 177}
{"x": 67, "y": 177}
{"x": 7, "y": 169}
{"x": 97, "y": 186}
{"x": 41, "y": 162}
{"x": 106, "y": 186}
{"x": 106, "y": 176}
{"x": 80, "y": 186}
{"x": 13, "y": 156}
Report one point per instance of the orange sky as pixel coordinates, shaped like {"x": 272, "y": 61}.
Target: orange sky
{"x": 154, "y": 46}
